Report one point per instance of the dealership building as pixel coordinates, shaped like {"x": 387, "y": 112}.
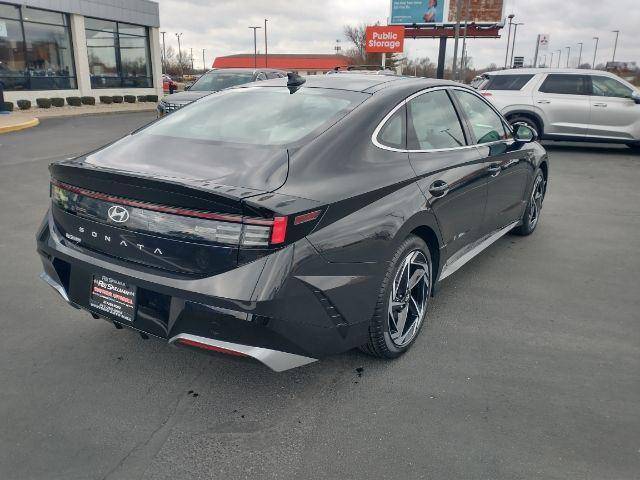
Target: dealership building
{"x": 303, "y": 64}
{"x": 62, "y": 48}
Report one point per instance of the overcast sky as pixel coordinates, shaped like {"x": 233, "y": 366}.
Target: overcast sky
{"x": 221, "y": 27}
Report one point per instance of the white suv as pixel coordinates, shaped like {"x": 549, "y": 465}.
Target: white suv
{"x": 567, "y": 104}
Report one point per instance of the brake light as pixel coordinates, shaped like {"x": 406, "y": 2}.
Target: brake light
{"x": 279, "y": 230}
{"x": 204, "y": 346}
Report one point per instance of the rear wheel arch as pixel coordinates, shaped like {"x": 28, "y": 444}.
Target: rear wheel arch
{"x": 425, "y": 226}
{"x": 430, "y": 238}
{"x": 533, "y": 117}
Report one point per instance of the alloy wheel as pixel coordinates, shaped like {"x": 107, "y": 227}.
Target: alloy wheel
{"x": 535, "y": 203}
{"x": 408, "y": 298}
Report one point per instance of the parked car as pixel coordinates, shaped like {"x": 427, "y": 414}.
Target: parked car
{"x": 567, "y": 104}
{"x": 304, "y": 218}
{"x": 168, "y": 84}
{"x": 214, "y": 81}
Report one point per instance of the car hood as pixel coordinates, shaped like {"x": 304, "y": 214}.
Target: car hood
{"x": 185, "y": 97}
{"x": 189, "y": 161}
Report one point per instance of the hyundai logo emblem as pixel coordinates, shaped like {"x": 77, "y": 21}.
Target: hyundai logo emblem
{"x": 118, "y": 214}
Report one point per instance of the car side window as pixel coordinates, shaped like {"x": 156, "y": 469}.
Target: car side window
{"x": 486, "y": 124}
{"x": 261, "y": 76}
{"x": 433, "y": 122}
{"x": 271, "y": 75}
{"x": 565, "y": 84}
{"x": 609, "y": 87}
{"x": 393, "y": 132}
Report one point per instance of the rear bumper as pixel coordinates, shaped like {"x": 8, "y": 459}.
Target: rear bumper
{"x": 285, "y": 310}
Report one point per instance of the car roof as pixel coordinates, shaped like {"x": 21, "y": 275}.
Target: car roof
{"x": 357, "y": 82}
{"x": 245, "y": 70}
{"x": 533, "y": 71}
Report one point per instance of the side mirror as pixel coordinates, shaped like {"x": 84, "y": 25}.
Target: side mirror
{"x": 635, "y": 96}
{"x": 523, "y": 133}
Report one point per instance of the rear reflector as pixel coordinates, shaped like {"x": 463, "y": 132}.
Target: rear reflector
{"x": 306, "y": 217}
{"x": 486, "y": 94}
{"x": 204, "y": 346}
{"x": 279, "y": 230}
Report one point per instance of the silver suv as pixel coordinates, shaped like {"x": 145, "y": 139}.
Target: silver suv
{"x": 567, "y": 104}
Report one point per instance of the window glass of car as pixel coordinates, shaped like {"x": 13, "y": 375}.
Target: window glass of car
{"x": 433, "y": 123}
{"x": 507, "y": 82}
{"x": 258, "y": 115}
{"x": 392, "y": 134}
{"x": 219, "y": 80}
{"x": 565, "y": 84}
{"x": 486, "y": 124}
{"x": 609, "y": 87}
{"x": 261, "y": 76}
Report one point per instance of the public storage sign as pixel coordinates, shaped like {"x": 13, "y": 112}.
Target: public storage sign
{"x": 384, "y": 39}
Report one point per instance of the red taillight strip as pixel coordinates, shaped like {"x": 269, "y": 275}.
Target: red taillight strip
{"x": 204, "y": 346}
{"x": 306, "y": 217}
{"x": 161, "y": 208}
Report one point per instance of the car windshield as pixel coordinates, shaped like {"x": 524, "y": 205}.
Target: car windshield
{"x": 259, "y": 115}
{"x": 214, "y": 81}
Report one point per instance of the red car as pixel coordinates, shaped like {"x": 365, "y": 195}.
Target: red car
{"x": 168, "y": 85}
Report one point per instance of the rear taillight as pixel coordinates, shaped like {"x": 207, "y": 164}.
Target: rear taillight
{"x": 279, "y": 230}
{"x": 212, "y": 348}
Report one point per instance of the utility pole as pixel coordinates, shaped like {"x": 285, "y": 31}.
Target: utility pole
{"x": 506, "y": 56}
{"x": 454, "y": 68}
{"x": 559, "y": 56}
{"x": 595, "y": 50}
{"x": 265, "y": 43}
{"x": 615, "y": 45}
{"x": 580, "y": 54}
{"x": 255, "y": 47}
{"x": 551, "y": 61}
{"x": 204, "y": 64}
{"x": 513, "y": 48}
{"x": 568, "y": 55}
{"x": 464, "y": 40}
{"x": 191, "y": 52}
{"x": 180, "y": 55}
{"x": 164, "y": 55}
{"x": 544, "y": 64}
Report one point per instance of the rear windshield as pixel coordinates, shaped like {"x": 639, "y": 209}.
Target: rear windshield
{"x": 214, "y": 81}
{"x": 507, "y": 82}
{"x": 258, "y": 115}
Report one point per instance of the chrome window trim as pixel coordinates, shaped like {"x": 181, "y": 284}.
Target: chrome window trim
{"x": 376, "y": 132}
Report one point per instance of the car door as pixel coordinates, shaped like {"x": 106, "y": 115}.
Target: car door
{"x": 563, "y": 100}
{"x": 450, "y": 171}
{"x": 508, "y": 170}
{"x": 614, "y": 114}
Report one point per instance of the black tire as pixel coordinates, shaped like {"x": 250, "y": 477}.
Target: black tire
{"x": 534, "y": 206}
{"x": 530, "y": 122}
{"x": 380, "y": 342}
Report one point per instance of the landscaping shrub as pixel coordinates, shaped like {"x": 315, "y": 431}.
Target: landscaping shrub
{"x": 130, "y": 98}
{"x": 105, "y": 99}
{"x": 142, "y": 98}
{"x": 117, "y": 99}
{"x": 57, "y": 101}
{"x": 43, "y": 102}
{"x": 8, "y": 106}
{"x": 152, "y": 98}
{"x": 74, "y": 101}
{"x": 24, "y": 104}
{"x": 88, "y": 100}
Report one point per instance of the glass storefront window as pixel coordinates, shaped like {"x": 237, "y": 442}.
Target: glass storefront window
{"x": 35, "y": 50}
{"x": 118, "y": 54}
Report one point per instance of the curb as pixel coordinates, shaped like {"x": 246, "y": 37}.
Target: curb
{"x": 19, "y": 126}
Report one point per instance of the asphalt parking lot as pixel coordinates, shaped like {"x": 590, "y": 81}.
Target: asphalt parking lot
{"x": 528, "y": 367}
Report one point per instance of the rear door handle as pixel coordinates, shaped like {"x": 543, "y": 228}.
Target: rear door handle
{"x": 599, "y": 104}
{"x": 544, "y": 101}
{"x": 494, "y": 169}
{"x": 439, "y": 188}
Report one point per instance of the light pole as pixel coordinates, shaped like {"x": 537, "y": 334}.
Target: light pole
{"x": 559, "y": 56}
{"x": 506, "y": 55}
{"x": 615, "y": 45}
{"x": 255, "y": 47}
{"x": 191, "y": 53}
{"x": 513, "y": 47}
{"x": 164, "y": 55}
{"x": 178, "y": 35}
{"x": 551, "y": 61}
{"x": 265, "y": 43}
{"x": 580, "y": 54}
{"x": 544, "y": 56}
{"x": 204, "y": 64}
{"x": 568, "y": 55}
{"x": 595, "y": 50}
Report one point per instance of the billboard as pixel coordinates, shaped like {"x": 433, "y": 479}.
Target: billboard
{"x": 443, "y": 12}
{"x": 384, "y": 39}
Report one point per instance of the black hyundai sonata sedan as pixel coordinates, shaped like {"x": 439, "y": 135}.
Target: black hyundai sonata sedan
{"x": 290, "y": 220}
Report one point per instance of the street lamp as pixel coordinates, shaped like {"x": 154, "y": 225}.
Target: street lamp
{"x": 164, "y": 55}
{"x": 551, "y": 61}
{"x": 580, "y": 54}
{"x": 178, "y": 35}
{"x": 506, "y": 56}
{"x": 255, "y": 47}
{"x": 615, "y": 45}
{"x": 513, "y": 47}
{"x": 595, "y": 50}
{"x": 559, "y": 56}
{"x": 568, "y": 55}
